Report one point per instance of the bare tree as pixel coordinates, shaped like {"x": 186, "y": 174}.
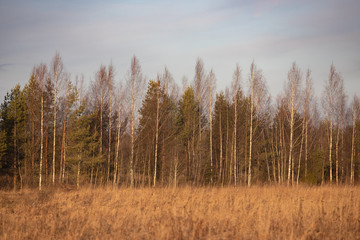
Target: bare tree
{"x": 236, "y": 90}
{"x": 136, "y": 84}
{"x": 331, "y": 92}
{"x": 356, "y": 105}
{"x": 101, "y": 79}
{"x": 293, "y": 89}
{"x": 221, "y": 149}
{"x": 262, "y": 111}
{"x": 252, "y": 75}
{"x": 340, "y": 112}
{"x": 157, "y": 128}
{"x": 305, "y": 125}
{"x": 307, "y": 116}
{"x": 57, "y": 71}
{"x": 200, "y": 91}
{"x": 118, "y": 136}
{"x": 211, "y": 89}
{"x": 62, "y": 154}
{"x": 40, "y": 73}
{"x": 110, "y": 83}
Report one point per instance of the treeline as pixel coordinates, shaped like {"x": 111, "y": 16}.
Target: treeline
{"x": 153, "y": 133}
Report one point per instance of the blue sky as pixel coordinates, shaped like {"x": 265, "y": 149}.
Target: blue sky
{"x": 274, "y": 33}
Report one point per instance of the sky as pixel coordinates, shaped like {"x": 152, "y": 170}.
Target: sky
{"x": 223, "y": 33}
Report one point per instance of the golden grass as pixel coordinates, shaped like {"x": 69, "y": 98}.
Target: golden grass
{"x": 182, "y": 213}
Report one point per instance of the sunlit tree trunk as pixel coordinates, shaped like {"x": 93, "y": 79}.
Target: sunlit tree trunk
{"x": 352, "y": 165}
{"x": 332, "y": 96}
{"x": 340, "y": 117}
{"x": 40, "y": 73}
{"x": 227, "y": 143}
{"x": 221, "y": 151}
{"x": 301, "y": 148}
{"x": 33, "y": 145}
{"x": 54, "y": 136}
{"x": 331, "y": 129}
{"x": 41, "y": 139}
{"x": 132, "y": 122}
{"x": 199, "y": 82}
{"x": 15, "y": 140}
{"x": 101, "y": 116}
{"x": 292, "y": 112}
{"x": 236, "y": 86}
{"x": 156, "y": 130}
{"x": 118, "y": 129}
{"x": 337, "y": 153}
{"x": 63, "y": 135}
{"x": 57, "y": 67}
{"x": 211, "y": 78}
{"x": 251, "y": 119}
{"x": 78, "y": 176}
{"x": 135, "y": 85}
{"x": 110, "y": 83}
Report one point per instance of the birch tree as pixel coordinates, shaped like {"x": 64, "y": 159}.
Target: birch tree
{"x": 40, "y": 73}
{"x": 355, "y": 105}
{"x": 101, "y": 80}
{"x": 118, "y": 135}
{"x": 200, "y": 91}
{"x": 340, "y": 112}
{"x": 67, "y": 91}
{"x": 211, "y": 89}
{"x": 156, "y": 128}
{"x": 57, "y": 71}
{"x": 220, "y": 109}
{"x": 252, "y": 75}
{"x": 70, "y": 98}
{"x": 135, "y": 82}
{"x": 293, "y": 89}
{"x": 236, "y": 90}
{"x": 307, "y": 116}
{"x": 305, "y": 125}
{"x": 329, "y": 102}
{"x": 110, "y": 83}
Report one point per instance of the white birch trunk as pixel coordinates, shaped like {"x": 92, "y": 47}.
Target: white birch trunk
{"x": 41, "y": 139}
{"x": 221, "y": 150}
{"x": 132, "y": 122}
{"x": 210, "y": 119}
{"x": 78, "y": 176}
{"x": 117, "y": 144}
{"x": 352, "y": 167}
{"x": 110, "y": 126}
{"x": 251, "y": 121}
{"x": 54, "y": 137}
{"x": 292, "y": 112}
{"x": 156, "y": 131}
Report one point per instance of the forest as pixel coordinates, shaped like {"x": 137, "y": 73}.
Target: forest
{"x": 138, "y": 132}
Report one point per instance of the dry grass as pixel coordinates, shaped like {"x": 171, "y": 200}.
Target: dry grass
{"x": 183, "y": 213}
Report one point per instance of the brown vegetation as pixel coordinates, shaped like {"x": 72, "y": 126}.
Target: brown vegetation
{"x": 183, "y": 213}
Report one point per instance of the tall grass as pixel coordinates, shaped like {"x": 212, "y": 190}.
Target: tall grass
{"x": 182, "y": 213}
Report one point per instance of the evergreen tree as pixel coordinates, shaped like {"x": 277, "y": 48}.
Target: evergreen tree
{"x": 187, "y": 121}
{"x": 80, "y": 140}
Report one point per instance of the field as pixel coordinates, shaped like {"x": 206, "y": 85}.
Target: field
{"x": 183, "y": 213}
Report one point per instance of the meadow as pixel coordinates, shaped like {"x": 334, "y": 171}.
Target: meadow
{"x": 259, "y": 212}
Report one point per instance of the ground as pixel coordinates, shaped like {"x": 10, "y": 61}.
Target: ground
{"x": 272, "y": 212}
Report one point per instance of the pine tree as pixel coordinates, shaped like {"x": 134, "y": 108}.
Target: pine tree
{"x": 187, "y": 124}
{"x": 79, "y": 140}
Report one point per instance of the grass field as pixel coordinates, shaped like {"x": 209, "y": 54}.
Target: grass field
{"x": 182, "y": 213}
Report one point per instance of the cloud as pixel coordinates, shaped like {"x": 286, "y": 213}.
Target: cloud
{"x": 4, "y": 66}
{"x": 174, "y": 33}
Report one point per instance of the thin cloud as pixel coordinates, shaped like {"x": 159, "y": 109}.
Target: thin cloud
{"x": 4, "y": 66}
